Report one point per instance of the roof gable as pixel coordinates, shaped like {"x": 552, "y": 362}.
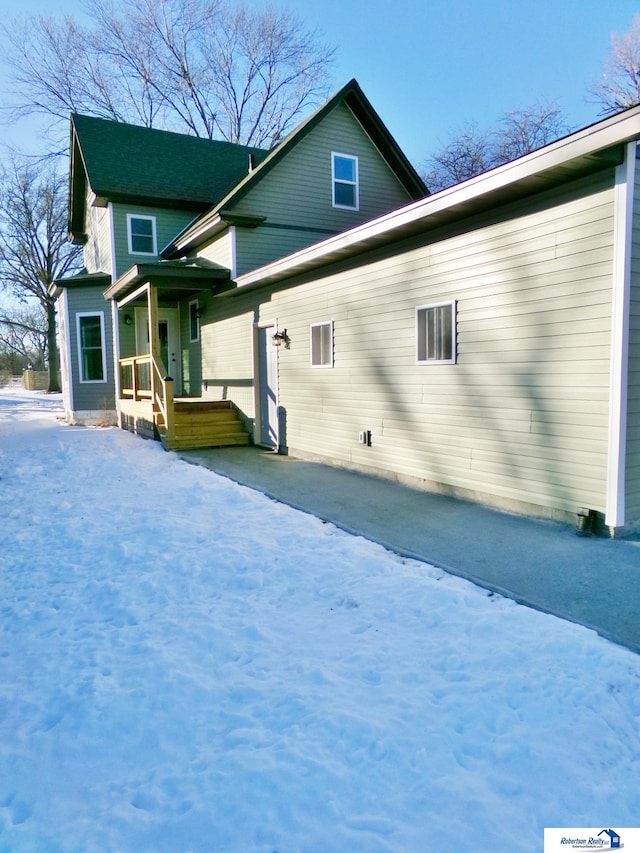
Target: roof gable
{"x": 594, "y": 148}
{"x": 351, "y": 96}
{"x": 126, "y": 163}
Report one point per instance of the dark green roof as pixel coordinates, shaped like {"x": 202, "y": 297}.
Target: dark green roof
{"x": 127, "y": 163}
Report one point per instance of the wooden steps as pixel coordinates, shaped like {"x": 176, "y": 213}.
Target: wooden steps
{"x": 200, "y": 424}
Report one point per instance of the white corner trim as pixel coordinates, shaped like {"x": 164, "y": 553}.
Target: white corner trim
{"x": 115, "y": 333}
{"x": 67, "y": 373}
{"x": 112, "y": 240}
{"x": 621, "y": 298}
{"x": 234, "y": 251}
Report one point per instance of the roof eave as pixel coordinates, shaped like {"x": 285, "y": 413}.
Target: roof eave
{"x": 591, "y": 149}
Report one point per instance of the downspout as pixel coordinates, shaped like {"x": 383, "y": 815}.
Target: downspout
{"x": 621, "y": 298}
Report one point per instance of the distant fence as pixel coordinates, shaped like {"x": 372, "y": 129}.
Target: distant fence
{"x": 35, "y": 380}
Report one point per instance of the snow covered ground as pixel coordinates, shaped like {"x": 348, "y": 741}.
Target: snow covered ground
{"x": 186, "y": 665}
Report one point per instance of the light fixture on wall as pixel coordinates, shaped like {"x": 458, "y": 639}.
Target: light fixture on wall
{"x": 128, "y": 320}
{"x": 199, "y": 313}
{"x": 281, "y": 338}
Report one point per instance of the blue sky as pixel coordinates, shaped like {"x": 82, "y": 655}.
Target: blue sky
{"x": 430, "y": 66}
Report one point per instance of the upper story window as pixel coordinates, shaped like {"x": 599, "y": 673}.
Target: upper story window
{"x": 91, "y": 350}
{"x": 436, "y": 333}
{"x": 344, "y": 170}
{"x": 322, "y": 344}
{"x": 141, "y": 234}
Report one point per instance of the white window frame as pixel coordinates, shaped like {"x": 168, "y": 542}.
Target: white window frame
{"x": 326, "y": 363}
{"x": 146, "y": 217}
{"x": 79, "y": 316}
{"x": 421, "y": 314}
{"x": 197, "y": 307}
{"x": 335, "y": 181}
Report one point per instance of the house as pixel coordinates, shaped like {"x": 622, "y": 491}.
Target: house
{"x": 139, "y": 196}
{"x": 482, "y": 342}
{"x": 614, "y": 838}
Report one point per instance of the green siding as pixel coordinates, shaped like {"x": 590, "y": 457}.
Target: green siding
{"x": 168, "y": 224}
{"x": 298, "y": 192}
{"x": 90, "y": 396}
{"x": 520, "y": 420}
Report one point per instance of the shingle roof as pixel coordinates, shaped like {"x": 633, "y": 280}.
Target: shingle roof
{"x": 125, "y": 161}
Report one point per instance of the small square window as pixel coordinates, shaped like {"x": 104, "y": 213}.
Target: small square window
{"x": 436, "y": 326}
{"x": 322, "y": 344}
{"x": 141, "y": 232}
{"x": 345, "y": 181}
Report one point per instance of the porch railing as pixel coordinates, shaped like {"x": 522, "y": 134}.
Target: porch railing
{"x": 143, "y": 378}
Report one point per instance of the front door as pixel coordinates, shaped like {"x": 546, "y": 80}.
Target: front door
{"x": 268, "y": 391}
{"x": 169, "y": 341}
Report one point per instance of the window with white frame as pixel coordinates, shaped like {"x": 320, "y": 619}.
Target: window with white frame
{"x": 436, "y": 333}
{"x": 194, "y": 322}
{"x": 322, "y": 344}
{"x": 91, "y": 351}
{"x": 141, "y": 234}
{"x": 344, "y": 169}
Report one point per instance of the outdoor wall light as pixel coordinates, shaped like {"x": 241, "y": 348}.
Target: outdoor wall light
{"x": 199, "y": 313}
{"x": 281, "y": 338}
{"x": 128, "y": 319}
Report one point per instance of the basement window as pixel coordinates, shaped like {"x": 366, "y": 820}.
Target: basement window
{"x": 141, "y": 234}
{"x": 322, "y": 344}
{"x": 436, "y": 336}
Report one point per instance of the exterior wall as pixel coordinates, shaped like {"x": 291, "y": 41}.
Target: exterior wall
{"x": 90, "y": 399}
{"x": 296, "y": 196}
{"x": 227, "y": 352}
{"x": 220, "y": 251}
{"x": 97, "y": 249}
{"x": 168, "y": 224}
{"x": 520, "y": 421}
{"x": 190, "y": 351}
{"x": 632, "y": 497}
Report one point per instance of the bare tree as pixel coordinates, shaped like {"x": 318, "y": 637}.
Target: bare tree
{"x": 619, "y": 87}
{"x": 467, "y": 154}
{"x": 470, "y": 151}
{"x": 34, "y": 250}
{"x": 23, "y": 339}
{"x": 208, "y": 67}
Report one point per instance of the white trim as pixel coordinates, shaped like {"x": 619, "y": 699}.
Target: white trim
{"x": 115, "y": 325}
{"x": 233, "y": 249}
{"x": 154, "y": 237}
{"x": 355, "y": 184}
{"x": 105, "y": 372}
{"x": 67, "y": 381}
{"x": 621, "y": 297}
{"x": 454, "y": 325}
{"x": 313, "y": 326}
{"x": 112, "y": 237}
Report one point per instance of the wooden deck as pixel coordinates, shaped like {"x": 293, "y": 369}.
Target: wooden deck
{"x": 197, "y": 423}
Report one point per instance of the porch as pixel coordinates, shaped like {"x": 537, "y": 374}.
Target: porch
{"x": 146, "y": 401}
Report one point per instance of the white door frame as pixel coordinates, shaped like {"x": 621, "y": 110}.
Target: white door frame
{"x": 172, "y": 318}
{"x": 266, "y": 382}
